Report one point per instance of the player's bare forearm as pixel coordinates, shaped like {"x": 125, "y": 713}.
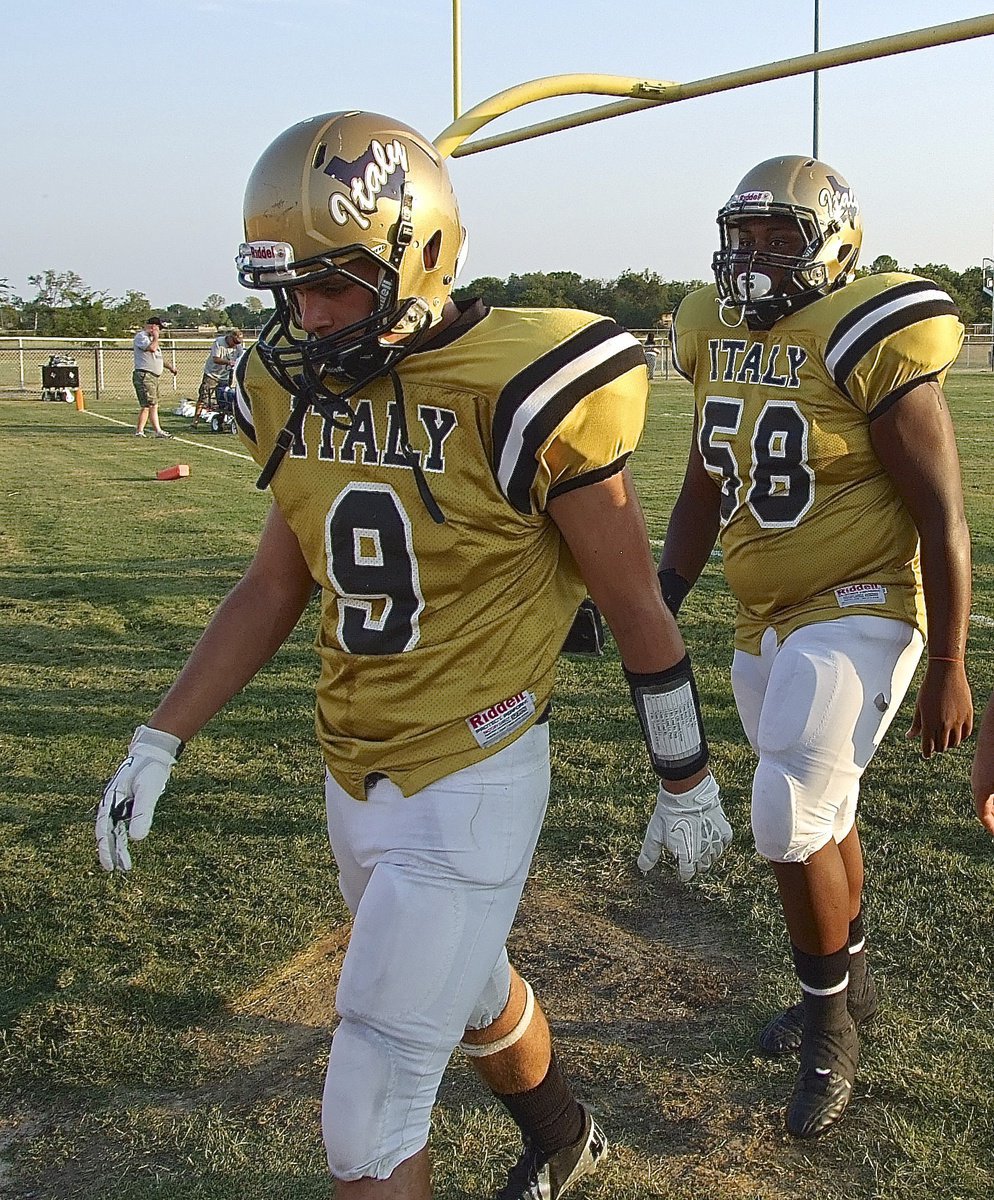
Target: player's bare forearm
{"x": 693, "y": 526}
{"x": 944, "y": 712}
{"x": 915, "y": 443}
{"x": 946, "y": 580}
{"x": 243, "y": 635}
{"x": 605, "y": 530}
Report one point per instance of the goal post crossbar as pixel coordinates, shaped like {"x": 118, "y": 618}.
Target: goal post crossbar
{"x": 649, "y": 93}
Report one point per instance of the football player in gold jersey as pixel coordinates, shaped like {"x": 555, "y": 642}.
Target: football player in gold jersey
{"x": 823, "y": 458}
{"x": 454, "y": 480}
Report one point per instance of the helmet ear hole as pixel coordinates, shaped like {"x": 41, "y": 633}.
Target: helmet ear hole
{"x": 432, "y": 247}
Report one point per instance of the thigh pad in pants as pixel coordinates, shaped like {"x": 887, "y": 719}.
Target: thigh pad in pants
{"x": 828, "y": 696}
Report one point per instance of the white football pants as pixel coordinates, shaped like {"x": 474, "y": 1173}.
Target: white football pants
{"x": 433, "y": 882}
{"x": 814, "y": 709}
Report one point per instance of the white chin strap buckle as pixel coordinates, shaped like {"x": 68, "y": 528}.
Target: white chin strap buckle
{"x": 753, "y": 285}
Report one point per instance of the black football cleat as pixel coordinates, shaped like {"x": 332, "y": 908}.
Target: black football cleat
{"x": 536, "y": 1178}
{"x": 783, "y": 1034}
{"x": 825, "y": 1081}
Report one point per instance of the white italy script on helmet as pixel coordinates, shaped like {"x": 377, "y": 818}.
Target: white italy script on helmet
{"x": 839, "y": 202}
{"x": 366, "y": 188}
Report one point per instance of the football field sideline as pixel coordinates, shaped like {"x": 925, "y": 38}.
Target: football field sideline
{"x": 175, "y": 437}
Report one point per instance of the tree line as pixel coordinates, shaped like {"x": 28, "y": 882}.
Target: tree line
{"x": 65, "y": 306}
{"x": 640, "y": 299}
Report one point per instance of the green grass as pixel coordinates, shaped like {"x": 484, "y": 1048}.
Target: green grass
{"x": 164, "y": 1035}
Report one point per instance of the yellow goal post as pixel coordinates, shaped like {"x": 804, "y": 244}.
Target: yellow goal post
{"x": 650, "y": 93}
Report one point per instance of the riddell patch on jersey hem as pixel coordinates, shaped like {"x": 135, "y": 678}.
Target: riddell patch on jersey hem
{"x": 491, "y": 725}
{"x": 860, "y": 593}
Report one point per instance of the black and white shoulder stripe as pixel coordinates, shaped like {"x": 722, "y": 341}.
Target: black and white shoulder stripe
{"x": 882, "y": 315}
{"x": 243, "y": 406}
{"x": 536, "y": 400}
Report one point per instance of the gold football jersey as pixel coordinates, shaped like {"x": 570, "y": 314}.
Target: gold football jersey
{"x": 811, "y": 525}
{"x": 438, "y": 642}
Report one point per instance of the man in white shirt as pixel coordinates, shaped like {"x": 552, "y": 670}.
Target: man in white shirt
{"x": 148, "y": 370}
{"x": 223, "y": 355}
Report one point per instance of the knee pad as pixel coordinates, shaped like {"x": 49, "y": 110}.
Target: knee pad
{"x": 376, "y": 1110}
{"x": 485, "y": 1049}
{"x": 787, "y": 824}
{"x": 493, "y": 999}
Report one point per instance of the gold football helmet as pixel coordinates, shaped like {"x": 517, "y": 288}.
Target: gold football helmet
{"x": 330, "y": 192}
{"x": 766, "y": 286}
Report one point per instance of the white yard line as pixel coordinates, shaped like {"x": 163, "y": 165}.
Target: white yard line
{"x": 174, "y": 438}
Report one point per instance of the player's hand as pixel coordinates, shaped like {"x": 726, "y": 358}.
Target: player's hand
{"x": 692, "y": 827}
{"x": 944, "y": 708}
{"x": 982, "y": 777}
{"x": 984, "y": 802}
{"x": 129, "y": 800}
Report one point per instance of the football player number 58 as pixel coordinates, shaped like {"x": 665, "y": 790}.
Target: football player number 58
{"x": 372, "y": 567}
{"x": 780, "y": 484}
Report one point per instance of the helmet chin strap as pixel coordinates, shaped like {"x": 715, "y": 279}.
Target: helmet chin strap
{"x": 331, "y": 405}
{"x": 303, "y": 399}
{"x": 730, "y": 305}
{"x": 749, "y": 286}
{"x": 410, "y": 455}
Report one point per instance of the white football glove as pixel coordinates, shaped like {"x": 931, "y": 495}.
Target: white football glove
{"x": 692, "y": 827}
{"x": 129, "y": 800}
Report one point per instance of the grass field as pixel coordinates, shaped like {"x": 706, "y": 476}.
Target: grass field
{"x": 164, "y": 1035}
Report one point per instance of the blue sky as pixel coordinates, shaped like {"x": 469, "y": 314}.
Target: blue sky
{"x": 130, "y": 130}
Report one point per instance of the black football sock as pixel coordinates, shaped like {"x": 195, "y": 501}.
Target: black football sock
{"x": 824, "y": 979}
{"x": 857, "y": 956}
{"x": 548, "y": 1114}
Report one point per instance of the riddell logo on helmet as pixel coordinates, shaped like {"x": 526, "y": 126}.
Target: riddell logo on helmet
{"x": 379, "y": 171}
{"x": 253, "y": 255}
{"x": 753, "y": 198}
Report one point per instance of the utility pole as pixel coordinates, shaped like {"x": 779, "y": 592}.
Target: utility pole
{"x": 814, "y": 76}
{"x": 456, "y": 62}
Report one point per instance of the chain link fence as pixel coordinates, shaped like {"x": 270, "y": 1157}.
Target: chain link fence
{"x": 105, "y": 364}
{"x": 975, "y": 354}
